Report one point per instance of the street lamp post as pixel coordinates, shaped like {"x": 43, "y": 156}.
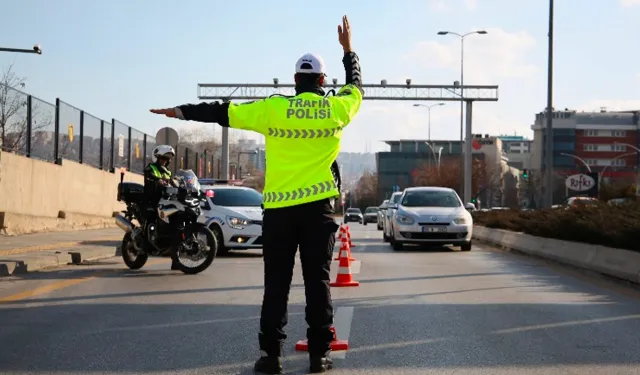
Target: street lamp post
{"x": 618, "y": 157}
{"x": 467, "y": 147}
{"x": 238, "y": 167}
{"x": 36, "y": 49}
{"x": 429, "y": 111}
{"x": 579, "y": 159}
{"x": 435, "y": 159}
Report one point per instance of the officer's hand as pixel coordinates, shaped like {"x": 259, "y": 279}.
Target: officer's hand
{"x": 169, "y": 112}
{"x": 344, "y": 34}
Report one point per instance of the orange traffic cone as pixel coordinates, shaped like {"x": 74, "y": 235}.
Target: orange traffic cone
{"x": 349, "y": 237}
{"x": 336, "y": 345}
{"x": 344, "y": 277}
{"x": 344, "y": 242}
{"x": 344, "y": 252}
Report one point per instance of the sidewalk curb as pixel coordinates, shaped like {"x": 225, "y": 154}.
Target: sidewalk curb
{"x": 617, "y": 263}
{"x": 53, "y": 246}
{"x": 35, "y": 261}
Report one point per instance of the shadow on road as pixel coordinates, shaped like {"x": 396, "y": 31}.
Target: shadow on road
{"x": 221, "y": 339}
{"x": 163, "y": 273}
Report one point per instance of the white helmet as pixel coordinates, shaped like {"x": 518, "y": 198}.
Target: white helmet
{"x": 162, "y": 150}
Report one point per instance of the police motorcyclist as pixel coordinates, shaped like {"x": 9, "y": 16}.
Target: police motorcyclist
{"x": 156, "y": 177}
{"x": 303, "y": 136}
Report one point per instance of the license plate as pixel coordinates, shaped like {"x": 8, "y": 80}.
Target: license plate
{"x": 434, "y": 229}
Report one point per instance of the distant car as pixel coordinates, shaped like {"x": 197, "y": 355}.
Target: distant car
{"x": 234, "y": 214}
{"x": 431, "y": 215}
{"x": 585, "y": 201}
{"x": 389, "y": 210}
{"x": 620, "y": 201}
{"x": 353, "y": 214}
{"x": 370, "y": 215}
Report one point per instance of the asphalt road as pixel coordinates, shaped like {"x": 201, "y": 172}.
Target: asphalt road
{"x": 415, "y": 312}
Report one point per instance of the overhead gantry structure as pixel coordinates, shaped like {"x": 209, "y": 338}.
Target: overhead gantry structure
{"x": 382, "y": 91}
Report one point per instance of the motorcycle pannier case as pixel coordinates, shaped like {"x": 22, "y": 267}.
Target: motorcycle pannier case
{"x": 130, "y": 192}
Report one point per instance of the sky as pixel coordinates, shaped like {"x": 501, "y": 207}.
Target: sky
{"x": 118, "y": 59}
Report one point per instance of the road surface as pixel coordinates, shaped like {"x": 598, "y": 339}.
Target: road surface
{"x": 415, "y": 312}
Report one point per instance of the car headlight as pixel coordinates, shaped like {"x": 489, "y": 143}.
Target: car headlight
{"x": 460, "y": 220}
{"x": 236, "y": 222}
{"x": 404, "y": 220}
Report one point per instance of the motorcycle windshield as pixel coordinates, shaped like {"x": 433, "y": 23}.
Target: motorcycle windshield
{"x": 190, "y": 180}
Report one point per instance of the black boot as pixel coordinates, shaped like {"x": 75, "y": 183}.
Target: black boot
{"x": 269, "y": 365}
{"x": 174, "y": 266}
{"x": 319, "y": 364}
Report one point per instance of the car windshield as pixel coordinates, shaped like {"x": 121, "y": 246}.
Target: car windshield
{"x": 236, "y": 197}
{"x": 430, "y": 198}
{"x": 353, "y": 211}
{"x": 371, "y": 210}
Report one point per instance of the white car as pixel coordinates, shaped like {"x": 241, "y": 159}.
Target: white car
{"x": 433, "y": 216}
{"x": 381, "y": 212}
{"x": 234, "y": 214}
{"x": 388, "y": 214}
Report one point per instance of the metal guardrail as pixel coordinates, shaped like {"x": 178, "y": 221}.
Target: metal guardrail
{"x": 41, "y": 130}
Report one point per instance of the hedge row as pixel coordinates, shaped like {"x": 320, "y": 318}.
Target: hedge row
{"x": 602, "y": 224}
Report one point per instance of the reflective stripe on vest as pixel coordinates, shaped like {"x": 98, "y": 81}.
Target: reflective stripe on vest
{"x": 302, "y": 133}
{"x": 310, "y": 191}
{"x": 166, "y": 174}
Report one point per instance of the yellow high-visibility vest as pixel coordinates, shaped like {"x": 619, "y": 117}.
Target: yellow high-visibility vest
{"x": 303, "y": 136}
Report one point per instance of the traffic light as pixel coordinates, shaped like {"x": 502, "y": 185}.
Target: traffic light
{"x": 473, "y": 200}
{"x": 525, "y": 173}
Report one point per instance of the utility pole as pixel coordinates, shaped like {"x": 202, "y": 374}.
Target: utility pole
{"x": 548, "y": 191}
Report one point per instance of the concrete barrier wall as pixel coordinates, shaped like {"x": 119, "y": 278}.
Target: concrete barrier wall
{"x": 618, "y": 263}
{"x": 39, "y": 196}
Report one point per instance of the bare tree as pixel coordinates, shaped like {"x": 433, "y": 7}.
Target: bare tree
{"x": 13, "y": 113}
{"x": 447, "y": 175}
{"x": 366, "y": 190}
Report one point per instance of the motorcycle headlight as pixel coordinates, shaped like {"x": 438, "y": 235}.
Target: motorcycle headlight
{"x": 404, "y": 219}
{"x": 236, "y": 222}
{"x": 460, "y": 220}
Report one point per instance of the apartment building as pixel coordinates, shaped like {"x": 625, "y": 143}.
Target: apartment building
{"x": 517, "y": 149}
{"x": 604, "y": 141}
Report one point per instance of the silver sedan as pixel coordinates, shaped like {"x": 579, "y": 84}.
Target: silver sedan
{"x": 431, "y": 215}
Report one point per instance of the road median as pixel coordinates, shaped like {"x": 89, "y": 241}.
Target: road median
{"x": 613, "y": 262}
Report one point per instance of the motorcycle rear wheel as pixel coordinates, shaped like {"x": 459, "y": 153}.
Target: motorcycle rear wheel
{"x": 133, "y": 259}
{"x": 211, "y": 242}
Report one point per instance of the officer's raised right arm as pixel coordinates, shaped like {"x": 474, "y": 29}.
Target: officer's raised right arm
{"x": 348, "y": 100}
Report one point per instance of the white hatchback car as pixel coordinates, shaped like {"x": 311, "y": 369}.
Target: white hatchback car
{"x": 389, "y": 210}
{"x": 433, "y": 216}
{"x": 234, "y": 214}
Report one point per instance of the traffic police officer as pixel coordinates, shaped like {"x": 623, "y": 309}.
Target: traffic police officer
{"x": 303, "y": 136}
{"x": 156, "y": 176}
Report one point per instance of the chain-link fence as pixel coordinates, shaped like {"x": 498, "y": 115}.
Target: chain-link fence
{"x": 51, "y": 132}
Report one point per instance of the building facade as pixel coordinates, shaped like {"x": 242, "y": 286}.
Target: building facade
{"x": 518, "y": 150}
{"x": 603, "y": 141}
{"x": 395, "y": 167}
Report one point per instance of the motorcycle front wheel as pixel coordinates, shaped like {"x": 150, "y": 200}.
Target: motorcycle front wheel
{"x": 196, "y": 253}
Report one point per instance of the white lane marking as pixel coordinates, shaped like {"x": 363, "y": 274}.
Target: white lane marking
{"x": 342, "y": 323}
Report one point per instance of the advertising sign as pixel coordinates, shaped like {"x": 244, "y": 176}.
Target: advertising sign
{"x": 580, "y": 182}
